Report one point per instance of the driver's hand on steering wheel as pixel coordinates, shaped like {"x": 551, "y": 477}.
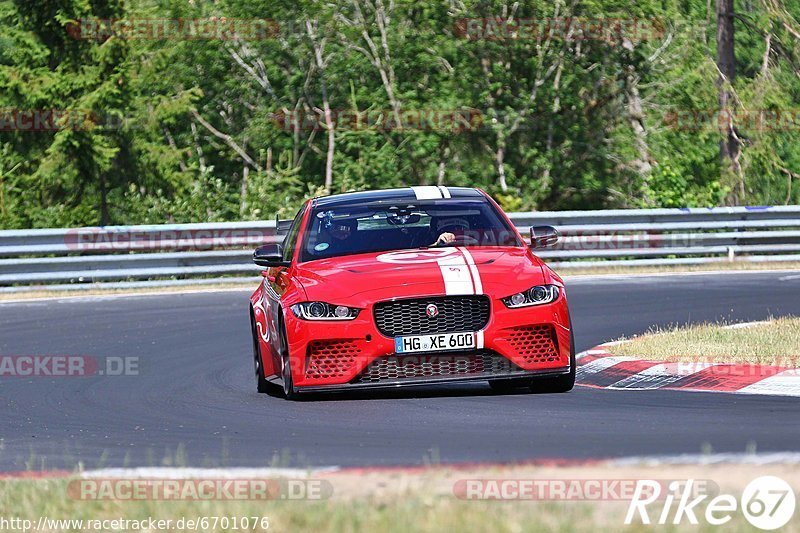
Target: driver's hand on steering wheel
{"x": 445, "y": 238}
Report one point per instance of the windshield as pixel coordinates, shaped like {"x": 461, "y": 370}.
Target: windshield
{"x": 353, "y": 229}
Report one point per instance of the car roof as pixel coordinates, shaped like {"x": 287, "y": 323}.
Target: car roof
{"x": 430, "y": 192}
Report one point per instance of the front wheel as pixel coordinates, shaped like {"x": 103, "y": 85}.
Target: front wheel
{"x": 262, "y": 385}
{"x": 289, "y": 391}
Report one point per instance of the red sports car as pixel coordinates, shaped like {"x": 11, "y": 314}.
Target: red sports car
{"x": 409, "y": 286}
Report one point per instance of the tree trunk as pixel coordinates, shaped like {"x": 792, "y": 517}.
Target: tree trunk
{"x": 499, "y": 158}
{"x": 319, "y": 51}
{"x": 440, "y": 175}
{"x": 643, "y": 163}
{"x": 243, "y": 191}
{"x": 729, "y": 146}
{"x": 331, "y": 148}
{"x": 104, "y": 214}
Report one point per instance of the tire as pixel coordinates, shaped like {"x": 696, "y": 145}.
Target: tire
{"x": 262, "y": 385}
{"x": 289, "y": 390}
{"x": 563, "y": 383}
{"x": 508, "y": 385}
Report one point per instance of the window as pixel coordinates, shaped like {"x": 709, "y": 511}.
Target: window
{"x": 347, "y": 229}
{"x": 290, "y": 242}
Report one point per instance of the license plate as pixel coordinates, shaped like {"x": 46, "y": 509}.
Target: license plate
{"x": 435, "y": 343}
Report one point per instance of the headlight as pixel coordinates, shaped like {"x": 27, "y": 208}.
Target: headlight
{"x": 324, "y": 311}
{"x": 538, "y": 295}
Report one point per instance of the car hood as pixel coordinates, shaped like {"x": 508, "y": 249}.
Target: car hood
{"x": 363, "y": 278}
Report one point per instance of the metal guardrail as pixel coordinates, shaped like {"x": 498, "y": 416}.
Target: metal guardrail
{"x": 589, "y": 239}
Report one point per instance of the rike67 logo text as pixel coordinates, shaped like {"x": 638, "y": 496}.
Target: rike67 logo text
{"x": 768, "y": 503}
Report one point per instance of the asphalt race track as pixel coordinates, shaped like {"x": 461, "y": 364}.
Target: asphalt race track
{"x": 194, "y": 401}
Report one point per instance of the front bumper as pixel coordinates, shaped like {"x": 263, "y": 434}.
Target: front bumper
{"x": 418, "y": 382}
{"x": 327, "y": 355}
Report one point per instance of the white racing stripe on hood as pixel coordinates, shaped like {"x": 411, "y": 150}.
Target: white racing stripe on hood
{"x": 478, "y": 284}
{"x": 456, "y": 276}
{"x": 473, "y": 268}
{"x": 427, "y": 192}
{"x": 445, "y": 192}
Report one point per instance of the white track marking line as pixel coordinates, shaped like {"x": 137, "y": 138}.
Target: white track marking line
{"x": 614, "y": 343}
{"x": 740, "y": 325}
{"x": 786, "y": 383}
{"x": 427, "y": 192}
{"x": 473, "y": 268}
{"x": 143, "y": 294}
{"x": 204, "y": 473}
{"x": 660, "y": 375}
{"x": 716, "y": 458}
{"x": 577, "y": 278}
{"x": 586, "y": 353}
{"x": 601, "y": 364}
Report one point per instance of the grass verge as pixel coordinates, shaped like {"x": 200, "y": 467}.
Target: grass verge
{"x": 609, "y": 268}
{"x": 399, "y": 501}
{"x": 776, "y": 341}
{"x": 44, "y": 293}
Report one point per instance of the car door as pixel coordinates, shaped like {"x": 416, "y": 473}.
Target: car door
{"x": 277, "y": 282}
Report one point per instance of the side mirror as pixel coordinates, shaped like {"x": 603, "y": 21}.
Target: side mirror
{"x": 543, "y": 236}
{"x": 270, "y": 255}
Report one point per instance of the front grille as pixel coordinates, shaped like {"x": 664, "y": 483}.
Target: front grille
{"x": 408, "y": 317}
{"x": 535, "y": 344}
{"x": 330, "y": 359}
{"x": 404, "y": 367}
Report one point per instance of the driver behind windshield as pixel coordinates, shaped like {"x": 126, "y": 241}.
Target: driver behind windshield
{"x": 358, "y": 228}
{"x": 447, "y": 229}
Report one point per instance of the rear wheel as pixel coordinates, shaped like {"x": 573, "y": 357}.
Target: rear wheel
{"x": 564, "y": 382}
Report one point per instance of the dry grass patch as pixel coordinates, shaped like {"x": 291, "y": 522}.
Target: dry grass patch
{"x": 609, "y": 268}
{"x": 39, "y": 294}
{"x": 774, "y": 342}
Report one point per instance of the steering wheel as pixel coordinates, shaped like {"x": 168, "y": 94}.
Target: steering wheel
{"x": 461, "y": 240}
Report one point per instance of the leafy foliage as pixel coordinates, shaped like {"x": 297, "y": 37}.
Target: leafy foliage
{"x": 182, "y": 129}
